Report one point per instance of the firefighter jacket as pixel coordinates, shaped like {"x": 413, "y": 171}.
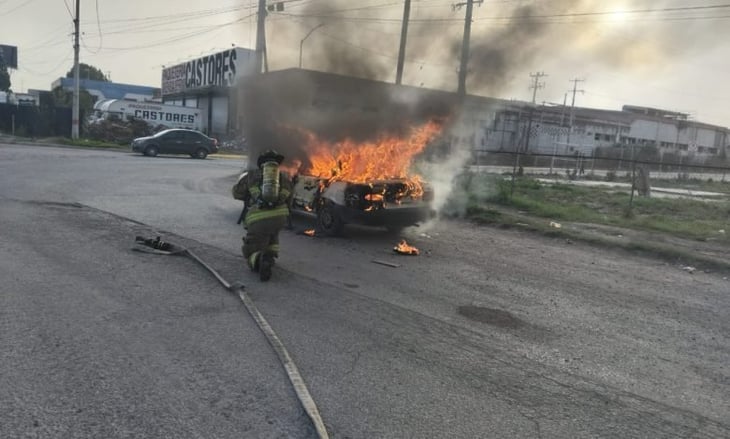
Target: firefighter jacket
{"x": 248, "y": 190}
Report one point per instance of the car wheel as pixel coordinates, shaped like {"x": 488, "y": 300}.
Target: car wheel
{"x": 201, "y": 153}
{"x": 151, "y": 151}
{"x": 329, "y": 221}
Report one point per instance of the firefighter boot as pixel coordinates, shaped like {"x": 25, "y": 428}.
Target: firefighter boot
{"x": 265, "y": 263}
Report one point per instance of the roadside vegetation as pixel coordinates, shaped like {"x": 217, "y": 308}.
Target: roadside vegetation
{"x": 88, "y": 143}
{"x": 492, "y": 199}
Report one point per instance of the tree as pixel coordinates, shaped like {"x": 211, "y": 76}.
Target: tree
{"x": 87, "y": 71}
{"x": 64, "y": 98}
{"x": 4, "y": 76}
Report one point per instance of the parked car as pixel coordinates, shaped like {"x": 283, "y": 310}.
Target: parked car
{"x": 393, "y": 204}
{"x": 176, "y": 141}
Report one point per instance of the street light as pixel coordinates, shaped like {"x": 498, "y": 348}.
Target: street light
{"x": 301, "y": 43}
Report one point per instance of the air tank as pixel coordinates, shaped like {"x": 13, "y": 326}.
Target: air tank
{"x": 270, "y": 185}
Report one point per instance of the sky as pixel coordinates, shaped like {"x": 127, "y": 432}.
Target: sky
{"x": 669, "y": 54}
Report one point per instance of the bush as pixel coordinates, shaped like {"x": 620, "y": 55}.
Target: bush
{"x": 120, "y": 132}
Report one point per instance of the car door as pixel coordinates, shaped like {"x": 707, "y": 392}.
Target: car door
{"x": 169, "y": 142}
{"x": 193, "y": 142}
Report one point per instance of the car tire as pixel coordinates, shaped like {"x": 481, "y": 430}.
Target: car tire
{"x": 329, "y": 221}
{"x": 151, "y": 151}
{"x": 201, "y": 153}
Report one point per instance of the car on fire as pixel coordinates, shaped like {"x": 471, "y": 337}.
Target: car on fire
{"x": 176, "y": 141}
{"x": 393, "y": 203}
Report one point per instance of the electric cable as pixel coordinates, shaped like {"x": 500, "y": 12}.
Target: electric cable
{"x": 16, "y": 8}
{"x": 68, "y": 8}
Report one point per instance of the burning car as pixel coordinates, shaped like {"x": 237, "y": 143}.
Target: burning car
{"x": 394, "y": 203}
{"x": 363, "y": 182}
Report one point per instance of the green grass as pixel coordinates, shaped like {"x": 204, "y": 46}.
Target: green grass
{"x": 682, "y": 217}
{"x": 89, "y": 143}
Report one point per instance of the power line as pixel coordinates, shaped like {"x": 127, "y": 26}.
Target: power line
{"x": 189, "y": 15}
{"x": 16, "y": 8}
{"x": 179, "y": 37}
{"x": 101, "y": 37}
{"x": 612, "y": 13}
{"x": 527, "y": 17}
{"x": 68, "y": 8}
{"x": 31, "y": 71}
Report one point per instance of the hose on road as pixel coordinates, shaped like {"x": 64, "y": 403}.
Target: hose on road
{"x": 156, "y": 246}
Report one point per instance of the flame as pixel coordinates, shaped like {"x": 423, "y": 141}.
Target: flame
{"x": 405, "y": 249}
{"x": 374, "y": 197}
{"x": 309, "y": 232}
{"x": 388, "y": 157}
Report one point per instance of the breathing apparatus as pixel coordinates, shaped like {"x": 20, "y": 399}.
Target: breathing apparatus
{"x": 269, "y": 163}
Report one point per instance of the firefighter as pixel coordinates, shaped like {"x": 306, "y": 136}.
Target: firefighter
{"x": 265, "y": 192}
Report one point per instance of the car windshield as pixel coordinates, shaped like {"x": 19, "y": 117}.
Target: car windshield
{"x": 163, "y": 132}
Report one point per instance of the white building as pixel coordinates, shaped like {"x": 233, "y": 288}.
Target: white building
{"x": 565, "y": 131}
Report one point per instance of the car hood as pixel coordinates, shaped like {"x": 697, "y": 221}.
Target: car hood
{"x": 142, "y": 139}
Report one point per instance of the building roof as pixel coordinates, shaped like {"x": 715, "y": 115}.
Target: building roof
{"x": 109, "y": 90}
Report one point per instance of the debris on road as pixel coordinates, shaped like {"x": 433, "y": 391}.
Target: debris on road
{"x": 689, "y": 269}
{"x": 386, "y": 263}
{"x": 555, "y": 225}
{"x": 404, "y": 249}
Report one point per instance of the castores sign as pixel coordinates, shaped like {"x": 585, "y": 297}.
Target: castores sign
{"x": 158, "y": 113}
{"x": 217, "y": 70}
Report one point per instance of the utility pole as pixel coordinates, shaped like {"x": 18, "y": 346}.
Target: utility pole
{"x": 572, "y": 106}
{"x": 403, "y": 37}
{"x": 75, "y": 104}
{"x": 536, "y": 84}
{"x": 261, "y": 37}
{"x": 465, "y": 43}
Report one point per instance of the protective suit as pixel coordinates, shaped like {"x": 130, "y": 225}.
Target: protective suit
{"x": 265, "y": 192}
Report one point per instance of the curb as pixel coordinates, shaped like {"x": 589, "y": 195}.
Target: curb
{"x": 225, "y": 156}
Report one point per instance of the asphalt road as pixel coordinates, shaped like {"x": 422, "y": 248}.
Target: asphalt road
{"x": 487, "y": 334}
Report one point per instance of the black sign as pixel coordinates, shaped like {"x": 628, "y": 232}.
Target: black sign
{"x": 218, "y": 70}
{"x": 9, "y": 55}
{"x": 164, "y": 116}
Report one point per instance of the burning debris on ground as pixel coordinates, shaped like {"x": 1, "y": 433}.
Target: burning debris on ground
{"x": 403, "y": 248}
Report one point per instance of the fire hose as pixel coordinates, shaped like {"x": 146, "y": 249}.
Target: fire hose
{"x": 156, "y": 246}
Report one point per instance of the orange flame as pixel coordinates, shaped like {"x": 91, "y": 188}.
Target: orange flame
{"x": 388, "y": 157}
{"x": 405, "y": 249}
{"x": 309, "y": 232}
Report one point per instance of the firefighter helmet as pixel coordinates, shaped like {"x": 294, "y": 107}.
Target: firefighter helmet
{"x": 269, "y": 156}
